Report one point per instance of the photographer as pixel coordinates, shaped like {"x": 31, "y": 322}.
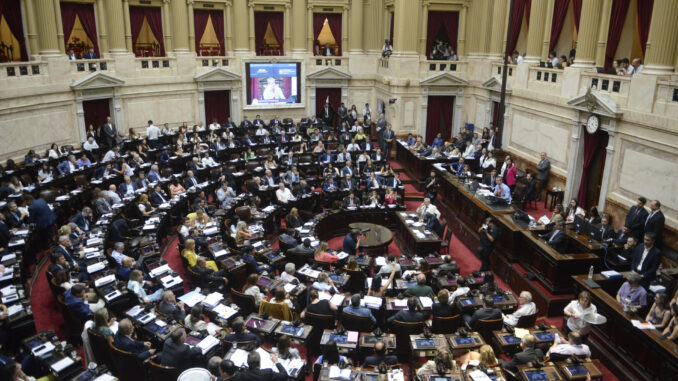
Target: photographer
{"x": 488, "y": 238}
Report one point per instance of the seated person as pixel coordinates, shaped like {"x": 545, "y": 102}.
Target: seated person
{"x": 192, "y": 258}
{"x": 208, "y": 274}
{"x": 355, "y": 309}
{"x": 331, "y": 355}
{"x": 76, "y": 300}
{"x": 176, "y": 353}
{"x": 251, "y": 288}
{"x": 391, "y": 263}
{"x": 442, "y": 363}
{"x": 351, "y": 201}
{"x": 631, "y": 294}
{"x": 573, "y": 346}
{"x": 462, "y": 289}
{"x": 527, "y": 307}
{"x": 126, "y": 268}
{"x": 324, "y": 283}
{"x": 135, "y": 285}
{"x": 421, "y": 288}
{"x": 170, "y": 307}
{"x": 195, "y": 322}
{"x": 280, "y": 296}
{"x": 442, "y": 307}
{"x": 324, "y": 254}
{"x": 249, "y": 256}
{"x": 305, "y": 247}
{"x": 240, "y": 333}
{"x": 317, "y": 306}
{"x": 410, "y": 315}
{"x": 501, "y": 190}
{"x": 485, "y": 356}
{"x": 487, "y": 312}
{"x": 671, "y": 330}
{"x": 528, "y": 354}
{"x": 660, "y": 312}
{"x": 557, "y": 238}
{"x": 288, "y": 274}
{"x": 379, "y": 356}
{"x": 284, "y": 349}
{"x": 123, "y": 340}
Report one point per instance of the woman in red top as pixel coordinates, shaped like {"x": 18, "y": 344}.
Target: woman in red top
{"x": 511, "y": 174}
{"x": 390, "y": 198}
{"x": 322, "y": 254}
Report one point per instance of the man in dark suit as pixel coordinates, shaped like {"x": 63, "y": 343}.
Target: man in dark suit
{"x": 170, "y": 307}
{"x": 83, "y": 219}
{"x": 288, "y": 237}
{"x": 75, "y": 298}
{"x": 543, "y": 173}
{"x": 351, "y": 200}
{"x": 490, "y": 179}
{"x": 622, "y": 236}
{"x": 14, "y": 218}
{"x": 40, "y": 214}
{"x": 208, "y": 275}
{"x": 636, "y": 218}
{"x": 127, "y": 187}
{"x": 254, "y": 373}
{"x": 531, "y": 193}
{"x": 109, "y": 132}
{"x": 4, "y": 230}
{"x": 655, "y": 221}
{"x": 557, "y": 238}
{"x": 342, "y": 112}
{"x": 328, "y": 114}
{"x": 410, "y": 315}
{"x": 389, "y": 137}
{"x": 240, "y": 333}
{"x": 380, "y": 356}
{"x": 381, "y": 126}
{"x": 91, "y": 55}
{"x": 433, "y": 224}
{"x": 245, "y": 123}
{"x": 58, "y": 263}
{"x": 176, "y": 353}
{"x": 123, "y": 340}
{"x": 488, "y": 312}
{"x": 348, "y": 184}
{"x": 326, "y": 157}
{"x": 191, "y": 180}
{"x": 646, "y": 259}
{"x": 159, "y": 196}
{"x": 528, "y": 354}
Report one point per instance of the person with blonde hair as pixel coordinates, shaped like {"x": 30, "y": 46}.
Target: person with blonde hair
{"x": 251, "y": 288}
{"x": 242, "y": 233}
{"x": 484, "y": 355}
{"x": 323, "y": 254}
{"x": 441, "y": 364}
{"x": 192, "y": 257}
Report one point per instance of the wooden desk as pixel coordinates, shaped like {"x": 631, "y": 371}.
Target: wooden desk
{"x": 341, "y": 340}
{"x": 546, "y": 373}
{"x": 511, "y": 344}
{"x": 424, "y": 347}
{"x": 368, "y": 340}
{"x": 578, "y": 372}
{"x": 430, "y": 243}
{"x": 630, "y": 353}
{"x": 265, "y": 326}
{"x": 461, "y": 344}
{"x": 376, "y": 239}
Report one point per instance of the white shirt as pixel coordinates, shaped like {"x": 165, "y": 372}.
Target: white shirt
{"x": 167, "y": 131}
{"x": 260, "y": 132}
{"x": 183, "y": 230}
{"x": 524, "y": 310}
{"x": 632, "y": 70}
{"x": 470, "y": 150}
{"x": 115, "y": 199}
{"x": 287, "y": 277}
{"x": 208, "y": 162}
{"x": 579, "y": 325}
{"x": 90, "y": 146}
{"x": 491, "y": 162}
{"x": 519, "y": 59}
{"x": 110, "y": 156}
{"x": 423, "y": 209}
{"x": 571, "y": 349}
{"x": 256, "y": 293}
{"x": 353, "y": 147}
{"x": 273, "y": 93}
{"x": 215, "y": 126}
{"x": 118, "y": 256}
{"x": 53, "y": 154}
{"x": 284, "y": 195}
{"x": 152, "y": 132}
{"x": 460, "y": 291}
{"x": 642, "y": 259}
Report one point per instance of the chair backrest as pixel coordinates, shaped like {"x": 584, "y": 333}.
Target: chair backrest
{"x": 527, "y": 321}
{"x": 298, "y": 258}
{"x": 320, "y": 323}
{"x": 80, "y": 180}
{"x": 280, "y": 311}
{"x": 403, "y": 330}
{"x": 49, "y": 195}
{"x": 356, "y": 323}
{"x": 100, "y": 349}
{"x": 244, "y": 213}
{"x": 485, "y": 328}
{"x": 245, "y": 302}
{"x": 196, "y": 279}
{"x": 127, "y": 364}
{"x": 445, "y": 325}
{"x": 166, "y": 172}
{"x": 356, "y": 281}
{"x": 157, "y": 372}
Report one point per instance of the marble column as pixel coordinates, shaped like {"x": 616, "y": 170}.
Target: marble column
{"x": 60, "y": 27}
{"x": 588, "y": 34}
{"x": 474, "y": 14}
{"x": 485, "y": 27}
{"x": 191, "y": 27}
{"x": 356, "y": 27}
{"x": 535, "y": 34}
{"x": 498, "y": 29}
{"x": 344, "y": 28}
{"x": 661, "y": 43}
{"x": 180, "y": 25}
{"x": 404, "y": 36}
{"x": 167, "y": 26}
{"x": 548, "y": 21}
{"x": 31, "y": 28}
{"x": 299, "y": 27}
{"x": 47, "y": 28}
{"x": 240, "y": 30}
{"x": 607, "y": 170}
{"x": 575, "y": 157}
{"x": 128, "y": 26}
{"x": 116, "y": 25}
{"x": 604, "y": 20}
{"x": 424, "y": 29}
{"x": 102, "y": 30}
{"x": 461, "y": 36}
{"x": 228, "y": 28}
{"x": 287, "y": 16}
{"x": 251, "y": 33}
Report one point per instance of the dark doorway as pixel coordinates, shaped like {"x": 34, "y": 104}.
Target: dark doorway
{"x": 439, "y": 117}
{"x": 96, "y": 112}
{"x": 324, "y": 94}
{"x": 217, "y": 106}
{"x": 495, "y": 113}
{"x": 594, "y": 175}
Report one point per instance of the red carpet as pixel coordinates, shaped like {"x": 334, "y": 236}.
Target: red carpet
{"x": 45, "y": 309}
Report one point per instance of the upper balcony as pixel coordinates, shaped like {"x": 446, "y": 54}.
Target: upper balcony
{"x": 430, "y": 67}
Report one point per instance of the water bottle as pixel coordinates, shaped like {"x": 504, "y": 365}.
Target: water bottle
{"x": 591, "y": 272}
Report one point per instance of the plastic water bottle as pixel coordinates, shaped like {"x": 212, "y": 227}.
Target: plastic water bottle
{"x": 591, "y": 272}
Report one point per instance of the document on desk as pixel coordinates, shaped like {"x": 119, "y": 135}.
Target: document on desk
{"x": 224, "y": 311}
{"x": 239, "y": 358}
{"x": 8, "y": 257}
{"x": 213, "y": 299}
{"x": 62, "y": 364}
{"x": 343, "y": 374}
{"x": 642, "y": 325}
{"x": 544, "y": 220}
{"x": 160, "y": 270}
{"x": 380, "y": 261}
{"x": 372, "y": 301}
{"x": 95, "y": 267}
{"x": 479, "y": 375}
{"x": 266, "y": 361}
{"x": 192, "y": 298}
{"x": 400, "y": 303}
{"x": 14, "y": 309}
{"x": 337, "y": 299}
{"x": 208, "y": 343}
{"x": 104, "y": 280}
{"x": 289, "y": 287}
{"x": 292, "y": 365}
{"x": 342, "y": 255}
{"x": 426, "y": 302}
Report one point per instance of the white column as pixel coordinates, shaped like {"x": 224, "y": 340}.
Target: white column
{"x": 458, "y": 108}
{"x": 235, "y": 104}
{"x": 117, "y": 111}
{"x": 287, "y": 16}
{"x": 201, "y": 103}
{"x": 607, "y": 171}
{"x": 574, "y": 161}
{"x": 80, "y": 112}
{"x": 424, "y": 112}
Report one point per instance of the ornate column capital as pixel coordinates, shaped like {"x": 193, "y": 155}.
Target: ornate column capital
{"x": 250, "y": 4}
{"x": 190, "y": 2}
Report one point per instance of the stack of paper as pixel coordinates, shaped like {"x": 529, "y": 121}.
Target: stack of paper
{"x": 426, "y": 302}
{"x": 213, "y": 299}
{"x": 239, "y": 358}
{"x": 610, "y": 274}
{"x": 342, "y": 255}
{"x": 62, "y": 364}
{"x": 208, "y": 343}
{"x": 372, "y": 302}
{"x": 104, "y": 280}
{"x": 14, "y": 309}
{"x": 192, "y": 298}
{"x": 224, "y": 311}
{"x": 220, "y": 253}
{"x": 642, "y": 325}
{"x": 400, "y": 303}
{"x": 337, "y": 299}
{"x": 95, "y": 267}
{"x": 337, "y": 373}
{"x": 160, "y": 270}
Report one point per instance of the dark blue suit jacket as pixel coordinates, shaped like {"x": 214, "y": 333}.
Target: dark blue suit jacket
{"x": 77, "y": 305}
{"x": 40, "y": 214}
{"x": 127, "y": 344}
{"x": 153, "y": 176}
{"x": 123, "y": 188}
{"x": 82, "y": 222}
{"x": 349, "y": 244}
{"x": 157, "y": 198}
{"x": 650, "y": 264}
{"x": 325, "y": 158}
{"x": 66, "y": 253}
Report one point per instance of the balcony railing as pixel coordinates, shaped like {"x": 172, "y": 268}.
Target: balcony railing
{"x": 543, "y": 75}
{"x": 610, "y": 84}
{"x": 429, "y": 67}
{"x": 22, "y": 69}
{"x": 154, "y": 63}
{"x": 498, "y": 66}
{"x": 90, "y": 66}
{"x": 214, "y": 61}
{"x": 325, "y": 61}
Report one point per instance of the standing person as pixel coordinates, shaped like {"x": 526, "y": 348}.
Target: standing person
{"x": 543, "y": 173}
{"x": 389, "y": 136}
{"x": 152, "y": 134}
{"x": 381, "y": 126}
{"x": 109, "y": 132}
{"x": 40, "y": 214}
{"x": 328, "y": 114}
{"x": 488, "y": 238}
{"x": 636, "y": 218}
{"x": 655, "y": 222}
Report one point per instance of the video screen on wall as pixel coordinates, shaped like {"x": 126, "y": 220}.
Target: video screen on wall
{"x": 273, "y": 83}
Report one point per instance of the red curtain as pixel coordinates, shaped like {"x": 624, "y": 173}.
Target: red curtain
{"x": 593, "y": 144}
{"x": 86, "y": 14}
{"x": 528, "y": 9}
{"x": 200, "y": 18}
{"x": 12, "y": 11}
{"x": 619, "y": 8}
{"x": 644, "y": 18}
{"x": 96, "y": 111}
{"x": 334, "y": 21}
{"x": 439, "y": 117}
{"x": 261, "y": 22}
{"x": 559, "y": 12}
{"x": 516, "y": 23}
{"x": 217, "y": 105}
{"x": 287, "y": 87}
{"x": 437, "y": 20}
{"x": 254, "y": 87}
{"x": 321, "y": 95}
{"x": 390, "y": 31}
{"x": 576, "y": 9}
{"x": 154, "y": 18}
